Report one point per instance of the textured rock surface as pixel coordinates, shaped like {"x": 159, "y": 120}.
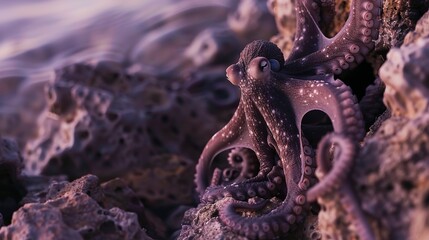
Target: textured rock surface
{"x": 399, "y": 18}
{"x": 203, "y": 223}
{"x": 173, "y": 176}
{"x": 392, "y": 169}
{"x": 76, "y": 210}
{"x": 406, "y": 77}
{"x": 421, "y": 30}
{"x": 11, "y": 188}
{"x": 98, "y": 114}
{"x": 391, "y": 173}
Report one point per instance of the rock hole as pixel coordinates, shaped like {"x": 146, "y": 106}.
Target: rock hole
{"x": 426, "y": 200}
{"x": 171, "y": 196}
{"x": 108, "y": 227}
{"x": 139, "y": 130}
{"x": 180, "y": 100}
{"x": 164, "y": 119}
{"x": 389, "y": 187}
{"x": 174, "y": 130}
{"x": 407, "y": 185}
{"x": 221, "y": 94}
{"x": 126, "y": 129}
{"x": 112, "y": 116}
{"x": 363, "y": 188}
{"x": 84, "y": 134}
{"x": 98, "y": 155}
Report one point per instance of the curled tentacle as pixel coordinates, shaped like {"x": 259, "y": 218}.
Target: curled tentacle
{"x": 351, "y": 204}
{"x": 332, "y": 178}
{"x": 281, "y": 219}
{"x": 224, "y": 139}
{"x": 336, "y": 177}
{"x": 275, "y": 223}
{"x": 245, "y": 161}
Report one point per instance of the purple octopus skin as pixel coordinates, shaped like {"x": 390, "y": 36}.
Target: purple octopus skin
{"x": 276, "y": 94}
{"x": 335, "y": 178}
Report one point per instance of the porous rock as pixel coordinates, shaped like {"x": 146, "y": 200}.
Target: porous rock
{"x": 391, "y": 172}
{"x": 173, "y": 176}
{"x": 77, "y": 210}
{"x": 203, "y": 223}
{"x": 405, "y": 74}
{"x": 252, "y": 20}
{"x": 118, "y": 194}
{"x": 421, "y": 30}
{"x": 101, "y": 120}
{"x": 399, "y": 18}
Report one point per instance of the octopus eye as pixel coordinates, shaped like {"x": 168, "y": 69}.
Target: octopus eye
{"x": 262, "y": 65}
{"x": 275, "y": 65}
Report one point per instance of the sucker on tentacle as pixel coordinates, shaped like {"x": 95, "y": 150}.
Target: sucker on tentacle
{"x": 332, "y": 177}
{"x": 336, "y": 178}
{"x": 276, "y": 96}
{"x": 345, "y": 50}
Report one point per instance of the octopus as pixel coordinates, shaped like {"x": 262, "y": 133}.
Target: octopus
{"x": 281, "y": 100}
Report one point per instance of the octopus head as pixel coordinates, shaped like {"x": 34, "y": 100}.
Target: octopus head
{"x": 258, "y": 61}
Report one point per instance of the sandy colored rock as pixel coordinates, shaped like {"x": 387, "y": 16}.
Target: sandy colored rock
{"x": 405, "y": 74}
{"x": 391, "y": 173}
{"x": 399, "y": 18}
{"x": 421, "y": 30}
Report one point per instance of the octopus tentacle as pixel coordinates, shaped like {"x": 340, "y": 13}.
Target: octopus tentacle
{"x": 259, "y": 135}
{"x": 337, "y": 178}
{"x": 230, "y": 136}
{"x": 245, "y": 160}
{"x": 308, "y": 15}
{"x": 244, "y": 191}
{"x": 346, "y": 49}
{"x": 243, "y": 165}
{"x": 272, "y": 186}
{"x": 332, "y": 178}
{"x": 351, "y": 204}
{"x": 275, "y": 223}
{"x": 296, "y": 167}
{"x": 332, "y": 97}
